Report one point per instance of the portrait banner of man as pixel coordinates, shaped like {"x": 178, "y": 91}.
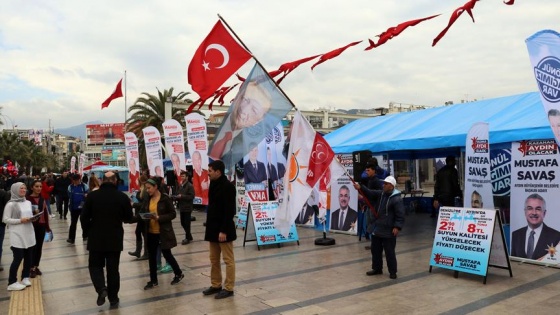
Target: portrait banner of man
{"x": 197, "y": 144}
{"x": 258, "y": 107}
{"x": 344, "y": 202}
{"x": 152, "y": 143}
{"x": 174, "y": 144}
{"x": 535, "y": 194}
{"x": 131, "y": 146}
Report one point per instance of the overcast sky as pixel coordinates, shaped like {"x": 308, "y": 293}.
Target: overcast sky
{"x": 60, "y": 60}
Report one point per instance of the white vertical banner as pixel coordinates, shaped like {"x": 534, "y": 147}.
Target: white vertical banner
{"x": 478, "y": 182}
{"x": 544, "y": 52}
{"x": 133, "y": 161}
{"x": 152, "y": 142}
{"x": 81, "y": 163}
{"x": 535, "y": 196}
{"x": 72, "y": 164}
{"x": 197, "y": 143}
{"x": 174, "y": 144}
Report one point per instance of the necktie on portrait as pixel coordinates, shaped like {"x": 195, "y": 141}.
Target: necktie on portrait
{"x": 255, "y": 166}
{"x": 341, "y": 220}
{"x": 531, "y": 244}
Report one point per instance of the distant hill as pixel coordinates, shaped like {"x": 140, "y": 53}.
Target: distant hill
{"x": 78, "y": 131}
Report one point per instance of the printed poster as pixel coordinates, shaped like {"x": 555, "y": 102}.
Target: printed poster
{"x": 463, "y": 239}
{"x": 263, "y": 214}
{"x": 535, "y": 196}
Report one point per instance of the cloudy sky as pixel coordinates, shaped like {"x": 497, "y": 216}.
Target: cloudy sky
{"x": 60, "y": 59}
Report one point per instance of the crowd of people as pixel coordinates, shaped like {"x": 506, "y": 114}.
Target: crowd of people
{"x": 102, "y": 211}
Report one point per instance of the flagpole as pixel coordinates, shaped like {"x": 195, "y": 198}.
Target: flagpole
{"x": 125, "y": 109}
{"x": 256, "y": 60}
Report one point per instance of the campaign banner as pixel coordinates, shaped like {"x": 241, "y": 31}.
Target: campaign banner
{"x": 152, "y": 143}
{"x": 72, "y": 165}
{"x": 463, "y": 239}
{"x": 343, "y": 206}
{"x": 133, "y": 161}
{"x": 98, "y": 134}
{"x": 500, "y": 171}
{"x": 275, "y": 162}
{"x": 263, "y": 214}
{"x": 544, "y": 52}
{"x": 478, "y": 183}
{"x": 81, "y": 163}
{"x": 255, "y": 173}
{"x": 174, "y": 144}
{"x": 197, "y": 143}
{"x": 535, "y": 194}
{"x": 242, "y": 203}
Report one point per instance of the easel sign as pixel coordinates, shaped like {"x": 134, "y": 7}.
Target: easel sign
{"x": 466, "y": 238}
{"x": 260, "y": 225}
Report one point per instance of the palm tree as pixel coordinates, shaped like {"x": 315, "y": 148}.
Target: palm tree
{"x": 149, "y": 110}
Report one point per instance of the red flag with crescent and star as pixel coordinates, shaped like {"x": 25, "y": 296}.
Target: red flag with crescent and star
{"x": 215, "y": 60}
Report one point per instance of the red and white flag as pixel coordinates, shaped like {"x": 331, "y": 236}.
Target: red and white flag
{"x": 215, "y": 60}
{"x": 319, "y": 160}
{"x": 296, "y": 188}
{"x": 116, "y": 94}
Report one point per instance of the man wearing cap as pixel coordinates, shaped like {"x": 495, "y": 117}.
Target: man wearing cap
{"x": 77, "y": 193}
{"x": 105, "y": 210}
{"x": 384, "y": 225}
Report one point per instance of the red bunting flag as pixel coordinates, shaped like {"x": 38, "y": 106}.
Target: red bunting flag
{"x": 509, "y": 2}
{"x": 215, "y": 60}
{"x": 116, "y": 94}
{"x": 395, "y": 31}
{"x": 333, "y": 53}
{"x": 454, "y": 16}
{"x": 288, "y": 67}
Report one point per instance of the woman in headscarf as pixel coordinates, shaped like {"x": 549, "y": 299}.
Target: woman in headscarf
{"x": 40, "y": 226}
{"x": 18, "y": 215}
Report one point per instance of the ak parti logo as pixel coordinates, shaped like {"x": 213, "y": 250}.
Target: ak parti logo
{"x": 480, "y": 145}
{"x": 538, "y": 147}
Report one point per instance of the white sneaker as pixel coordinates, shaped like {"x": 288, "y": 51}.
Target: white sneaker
{"x": 16, "y": 286}
{"x": 26, "y": 282}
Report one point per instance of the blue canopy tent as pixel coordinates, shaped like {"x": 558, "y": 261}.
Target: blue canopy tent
{"x": 442, "y": 131}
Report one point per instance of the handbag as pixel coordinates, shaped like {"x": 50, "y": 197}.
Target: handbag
{"x": 49, "y": 236}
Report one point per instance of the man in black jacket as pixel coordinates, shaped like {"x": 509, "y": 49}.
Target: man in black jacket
{"x": 220, "y": 230}
{"x": 447, "y": 185}
{"x": 61, "y": 193}
{"x": 385, "y": 225}
{"x": 104, "y": 212}
{"x": 184, "y": 198}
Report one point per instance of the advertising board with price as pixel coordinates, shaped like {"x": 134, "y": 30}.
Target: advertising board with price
{"x": 263, "y": 214}
{"x": 463, "y": 239}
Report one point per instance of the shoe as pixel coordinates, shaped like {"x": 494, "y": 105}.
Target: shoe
{"x": 212, "y": 290}
{"x": 114, "y": 304}
{"x": 177, "y": 279}
{"x": 16, "y": 286}
{"x": 38, "y": 271}
{"x": 185, "y": 242}
{"x": 1, "y": 268}
{"x": 368, "y": 247}
{"x": 53, "y": 215}
{"x": 26, "y": 282}
{"x": 32, "y": 273}
{"x": 85, "y": 240}
{"x": 374, "y": 272}
{"x": 135, "y": 254}
{"x": 224, "y": 294}
{"x": 166, "y": 269}
{"x": 65, "y": 218}
{"x": 143, "y": 257}
{"x": 393, "y": 276}
{"x": 101, "y": 297}
{"x": 150, "y": 285}
{"x": 70, "y": 241}
{"x": 60, "y": 217}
